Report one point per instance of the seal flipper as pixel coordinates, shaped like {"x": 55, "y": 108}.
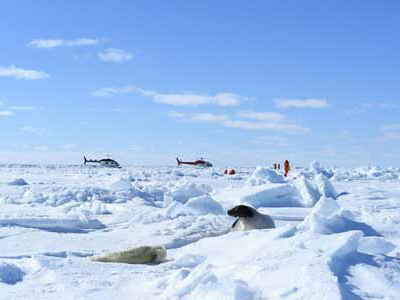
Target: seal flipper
{"x": 234, "y": 223}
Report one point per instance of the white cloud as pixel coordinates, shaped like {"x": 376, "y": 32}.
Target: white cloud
{"x": 119, "y": 109}
{"x": 22, "y": 108}
{"x": 207, "y": 117}
{"x": 389, "y": 105}
{"x": 115, "y": 55}
{"x": 176, "y": 114}
{"x": 301, "y": 103}
{"x": 274, "y": 141}
{"x": 54, "y": 43}
{"x": 68, "y": 146}
{"x": 41, "y": 43}
{"x": 360, "y": 110}
{"x": 192, "y": 99}
{"x": 32, "y": 129}
{"x": 6, "y": 113}
{"x": 198, "y": 117}
{"x": 109, "y": 92}
{"x": 135, "y": 148}
{"x": 248, "y": 125}
{"x": 391, "y": 127}
{"x": 391, "y": 135}
{"x": 177, "y": 99}
{"x": 271, "y": 116}
{"x": 82, "y": 42}
{"x": 40, "y": 148}
{"x": 20, "y": 73}
{"x": 346, "y": 132}
{"x": 392, "y": 132}
{"x": 293, "y": 128}
{"x": 270, "y": 138}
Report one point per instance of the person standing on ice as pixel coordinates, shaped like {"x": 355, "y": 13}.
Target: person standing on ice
{"x": 286, "y": 167}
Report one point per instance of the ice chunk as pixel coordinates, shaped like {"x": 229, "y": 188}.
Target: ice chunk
{"x": 323, "y": 218}
{"x": 18, "y": 181}
{"x": 31, "y": 197}
{"x": 375, "y": 245}
{"x": 345, "y": 244}
{"x": 243, "y": 291}
{"x": 308, "y": 194}
{"x": 99, "y": 208}
{"x": 327, "y": 217}
{"x": 325, "y": 187}
{"x": 326, "y": 207}
{"x": 316, "y": 168}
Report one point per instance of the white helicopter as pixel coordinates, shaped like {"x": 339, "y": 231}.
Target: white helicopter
{"x": 105, "y": 162}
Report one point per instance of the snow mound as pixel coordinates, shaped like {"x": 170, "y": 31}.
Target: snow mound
{"x": 300, "y": 192}
{"x": 176, "y": 209}
{"x": 18, "y": 181}
{"x": 59, "y": 196}
{"x": 178, "y": 173}
{"x": 86, "y": 209}
{"x": 10, "y": 273}
{"x": 183, "y": 190}
{"x": 121, "y": 185}
{"x": 203, "y": 205}
{"x": 263, "y": 175}
{"x": 327, "y": 217}
{"x": 235, "y": 177}
{"x": 65, "y": 225}
{"x": 366, "y": 173}
{"x": 274, "y": 195}
{"x": 191, "y": 282}
{"x": 187, "y": 230}
{"x": 196, "y": 206}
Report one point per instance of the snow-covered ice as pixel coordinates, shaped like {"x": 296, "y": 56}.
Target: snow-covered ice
{"x": 337, "y": 235}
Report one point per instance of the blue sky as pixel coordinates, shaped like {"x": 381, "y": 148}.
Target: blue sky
{"x": 238, "y": 82}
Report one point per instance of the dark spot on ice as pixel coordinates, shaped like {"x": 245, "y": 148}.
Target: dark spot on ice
{"x": 342, "y": 194}
{"x": 10, "y": 273}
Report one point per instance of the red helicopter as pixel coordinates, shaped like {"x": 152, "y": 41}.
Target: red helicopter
{"x": 200, "y": 162}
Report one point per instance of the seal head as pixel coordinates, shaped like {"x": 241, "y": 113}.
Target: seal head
{"x": 241, "y": 211}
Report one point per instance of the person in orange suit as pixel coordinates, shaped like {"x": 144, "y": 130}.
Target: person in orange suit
{"x": 286, "y": 167}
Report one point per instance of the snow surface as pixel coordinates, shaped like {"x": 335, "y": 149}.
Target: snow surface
{"x": 337, "y": 235}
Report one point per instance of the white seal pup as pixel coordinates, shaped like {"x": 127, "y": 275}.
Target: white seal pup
{"x": 138, "y": 255}
{"x": 249, "y": 218}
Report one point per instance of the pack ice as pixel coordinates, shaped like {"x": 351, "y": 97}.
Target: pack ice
{"x": 337, "y": 234}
